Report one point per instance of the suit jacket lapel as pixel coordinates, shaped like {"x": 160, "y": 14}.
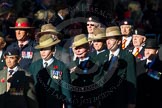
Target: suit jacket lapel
{"x": 121, "y": 56}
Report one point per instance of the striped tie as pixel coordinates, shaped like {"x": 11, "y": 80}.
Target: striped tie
{"x": 123, "y": 43}
{"x": 137, "y": 51}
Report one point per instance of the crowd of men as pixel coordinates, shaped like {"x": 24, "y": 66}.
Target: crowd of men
{"x": 48, "y": 65}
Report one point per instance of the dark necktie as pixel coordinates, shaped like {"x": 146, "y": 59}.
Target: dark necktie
{"x": 83, "y": 66}
{"x": 112, "y": 61}
{"x": 45, "y": 64}
{"x": 11, "y": 72}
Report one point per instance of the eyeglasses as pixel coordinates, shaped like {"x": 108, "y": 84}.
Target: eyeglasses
{"x": 90, "y": 25}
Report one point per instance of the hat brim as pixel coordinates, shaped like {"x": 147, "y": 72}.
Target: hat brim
{"x": 152, "y": 47}
{"x": 74, "y": 46}
{"x": 100, "y": 38}
{"x": 48, "y": 45}
{"x": 47, "y": 32}
{"x": 22, "y": 27}
{"x": 11, "y": 55}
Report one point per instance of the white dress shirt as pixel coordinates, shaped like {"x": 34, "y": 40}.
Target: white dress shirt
{"x": 49, "y": 62}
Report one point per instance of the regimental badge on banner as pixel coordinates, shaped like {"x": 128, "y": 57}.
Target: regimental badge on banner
{"x": 27, "y": 54}
{"x": 56, "y": 74}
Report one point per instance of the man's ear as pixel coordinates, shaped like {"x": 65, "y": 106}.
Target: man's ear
{"x": 144, "y": 39}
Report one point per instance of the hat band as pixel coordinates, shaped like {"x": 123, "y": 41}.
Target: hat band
{"x": 113, "y": 33}
{"x": 46, "y": 42}
{"x": 101, "y": 35}
{"x": 80, "y": 42}
{"x": 24, "y": 24}
{"x": 49, "y": 30}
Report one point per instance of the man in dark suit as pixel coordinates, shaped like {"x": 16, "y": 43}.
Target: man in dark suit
{"x": 51, "y": 76}
{"x": 149, "y": 79}
{"x": 23, "y": 42}
{"x": 62, "y": 21}
{"x": 119, "y": 88}
{"x": 16, "y": 85}
{"x": 126, "y": 27}
{"x": 139, "y": 39}
{"x": 62, "y": 12}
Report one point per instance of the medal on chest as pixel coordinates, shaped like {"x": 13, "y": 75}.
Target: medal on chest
{"x": 27, "y": 54}
{"x": 55, "y": 73}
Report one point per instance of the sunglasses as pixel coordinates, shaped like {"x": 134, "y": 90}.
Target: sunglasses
{"x": 90, "y": 25}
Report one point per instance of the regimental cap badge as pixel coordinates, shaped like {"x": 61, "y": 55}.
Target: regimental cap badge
{"x": 19, "y": 24}
{"x": 9, "y": 53}
{"x": 125, "y": 22}
{"x": 139, "y": 31}
{"x": 90, "y": 18}
{"x": 136, "y": 32}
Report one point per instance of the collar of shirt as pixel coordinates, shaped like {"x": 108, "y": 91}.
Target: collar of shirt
{"x": 83, "y": 59}
{"x": 129, "y": 38}
{"x": 98, "y": 52}
{"x": 15, "y": 69}
{"x": 148, "y": 61}
{"x": 24, "y": 43}
{"x": 50, "y": 61}
{"x": 116, "y": 53}
{"x": 60, "y": 16}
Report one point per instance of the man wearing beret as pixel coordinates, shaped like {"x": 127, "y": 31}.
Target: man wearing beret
{"x": 24, "y": 42}
{"x": 149, "y": 79}
{"x": 126, "y": 27}
{"x": 51, "y": 76}
{"x": 119, "y": 71}
{"x": 16, "y": 85}
{"x": 139, "y": 39}
{"x": 92, "y": 23}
